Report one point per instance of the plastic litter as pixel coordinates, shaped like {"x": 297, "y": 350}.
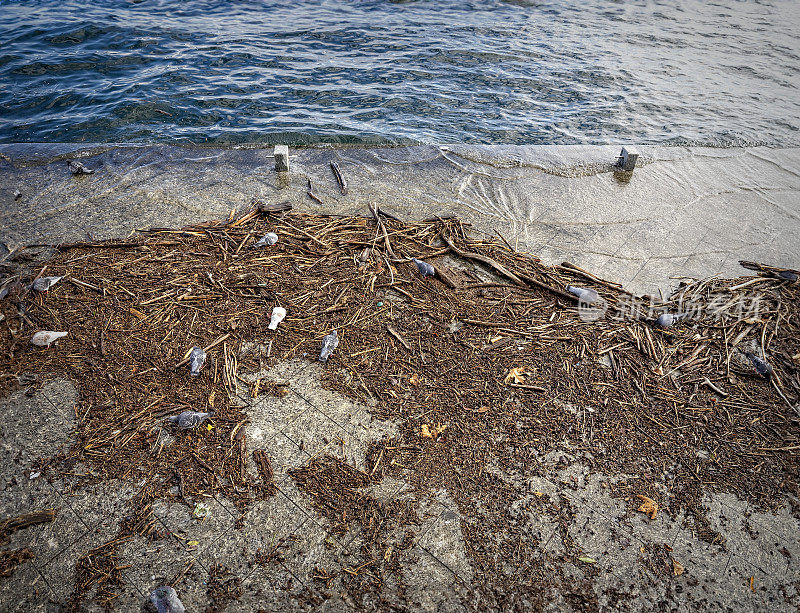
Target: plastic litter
{"x": 585, "y": 295}
{"x": 165, "y": 600}
{"x": 42, "y": 284}
{"x": 425, "y": 269}
{"x": 189, "y": 419}
{"x": 77, "y": 168}
{"x": 278, "y": 313}
{"x": 201, "y": 510}
{"x": 45, "y": 337}
{"x": 761, "y": 366}
{"x": 329, "y": 343}
{"x": 269, "y": 239}
{"x": 196, "y": 360}
{"x": 667, "y": 320}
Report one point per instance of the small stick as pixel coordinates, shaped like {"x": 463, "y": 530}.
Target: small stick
{"x": 312, "y": 195}
{"x": 339, "y": 178}
{"x": 12, "y": 524}
{"x": 396, "y": 334}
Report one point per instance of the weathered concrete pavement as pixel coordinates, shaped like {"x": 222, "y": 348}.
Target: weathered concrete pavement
{"x": 436, "y": 572}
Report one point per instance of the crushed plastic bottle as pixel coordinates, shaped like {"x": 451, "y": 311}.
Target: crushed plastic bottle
{"x": 329, "y": 343}
{"x": 189, "y": 419}
{"x": 584, "y": 295}
{"x": 269, "y": 239}
{"x": 196, "y": 360}
{"x": 425, "y": 269}
{"x": 165, "y": 600}
{"x": 278, "y": 313}
{"x": 42, "y": 284}
{"x": 44, "y": 338}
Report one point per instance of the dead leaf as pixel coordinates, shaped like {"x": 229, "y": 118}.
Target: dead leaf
{"x": 480, "y": 410}
{"x": 649, "y": 506}
{"x": 431, "y": 431}
{"x": 414, "y": 379}
{"x": 517, "y": 375}
{"x": 677, "y": 568}
{"x": 752, "y": 583}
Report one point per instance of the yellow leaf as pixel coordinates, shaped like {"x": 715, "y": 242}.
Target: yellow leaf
{"x": 431, "y": 431}
{"x": 192, "y": 543}
{"x": 649, "y": 506}
{"x": 539, "y": 494}
{"x": 209, "y": 427}
{"x": 517, "y": 375}
{"x": 588, "y": 560}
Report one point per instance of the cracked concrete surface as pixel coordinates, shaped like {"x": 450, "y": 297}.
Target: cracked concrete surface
{"x": 436, "y": 573}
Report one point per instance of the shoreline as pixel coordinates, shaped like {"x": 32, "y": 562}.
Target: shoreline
{"x": 683, "y": 212}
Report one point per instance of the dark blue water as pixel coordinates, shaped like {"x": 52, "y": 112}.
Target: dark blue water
{"x": 374, "y": 71}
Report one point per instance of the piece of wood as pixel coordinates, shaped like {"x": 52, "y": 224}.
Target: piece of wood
{"x": 396, "y": 334}
{"x": 12, "y": 524}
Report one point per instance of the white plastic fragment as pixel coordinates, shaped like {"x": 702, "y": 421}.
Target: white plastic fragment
{"x": 196, "y": 359}
{"x": 278, "y": 313}
{"x": 269, "y": 239}
{"x": 329, "y": 343}
{"x": 77, "y": 168}
{"x": 43, "y": 338}
{"x": 584, "y": 295}
{"x": 42, "y": 284}
{"x": 165, "y": 600}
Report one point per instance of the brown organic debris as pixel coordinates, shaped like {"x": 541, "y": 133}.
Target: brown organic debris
{"x": 650, "y": 397}
{"x": 10, "y": 525}
{"x": 9, "y": 560}
{"x": 648, "y": 507}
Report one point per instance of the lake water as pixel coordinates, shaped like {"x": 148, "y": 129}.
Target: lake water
{"x": 372, "y": 71}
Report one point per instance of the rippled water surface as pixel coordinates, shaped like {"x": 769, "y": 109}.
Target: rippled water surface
{"x": 431, "y": 71}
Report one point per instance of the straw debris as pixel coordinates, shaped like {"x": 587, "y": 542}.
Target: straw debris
{"x": 496, "y": 354}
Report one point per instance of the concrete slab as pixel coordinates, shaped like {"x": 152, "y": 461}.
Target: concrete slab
{"x": 279, "y": 547}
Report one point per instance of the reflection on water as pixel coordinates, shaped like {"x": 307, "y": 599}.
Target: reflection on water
{"x": 372, "y": 71}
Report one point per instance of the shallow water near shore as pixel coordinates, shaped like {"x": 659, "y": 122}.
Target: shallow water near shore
{"x": 685, "y": 211}
{"x": 378, "y": 72}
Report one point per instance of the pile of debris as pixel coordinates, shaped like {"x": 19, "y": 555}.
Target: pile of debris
{"x": 484, "y": 355}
